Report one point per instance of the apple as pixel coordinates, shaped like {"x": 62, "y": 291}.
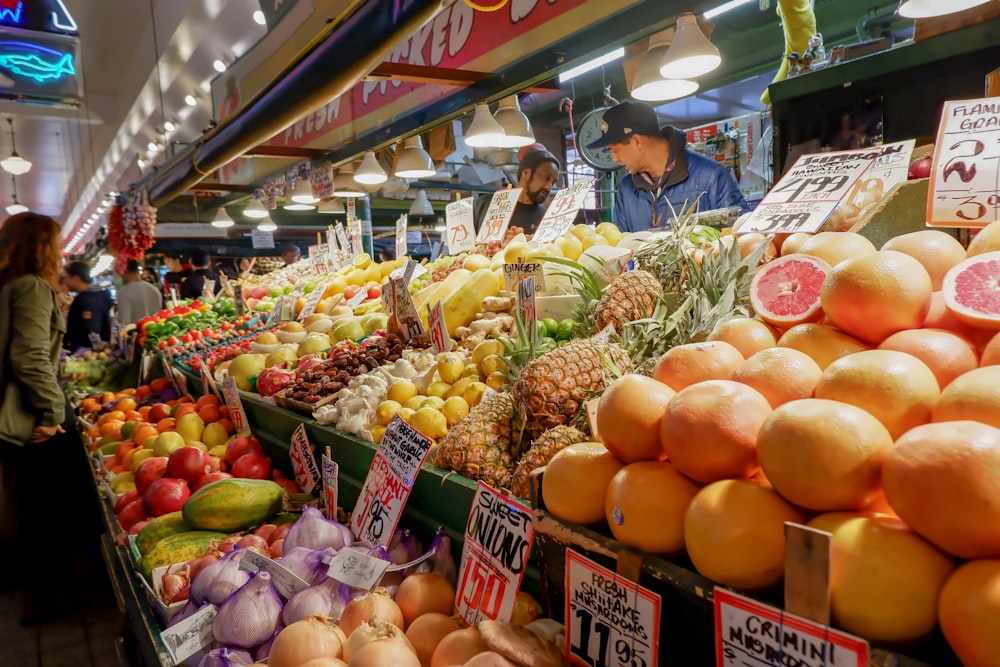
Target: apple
{"x": 149, "y": 471}
{"x": 188, "y": 463}
{"x": 131, "y": 514}
{"x": 209, "y": 478}
{"x": 158, "y": 411}
{"x": 125, "y": 499}
{"x": 252, "y": 466}
{"x": 240, "y": 446}
{"x": 165, "y": 495}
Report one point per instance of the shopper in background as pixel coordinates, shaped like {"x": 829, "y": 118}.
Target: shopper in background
{"x": 137, "y": 298}
{"x": 177, "y": 273}
{"x": 537, "y": 174}
{"x": 238, "y": 268}
{"x": 201, "y": 275}
{"x": 290, "y": 254}
{"x": 663, "y": 173}
{"x": 90, "y": 312}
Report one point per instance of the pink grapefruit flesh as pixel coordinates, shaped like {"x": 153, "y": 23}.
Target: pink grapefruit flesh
{"x": 786, "y": 291}
{"x": 971, "y": 290}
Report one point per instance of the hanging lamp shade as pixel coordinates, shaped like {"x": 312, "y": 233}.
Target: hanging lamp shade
{"x": 303, "y": 192}
{"x": 344, "y": 184}
{"x": 370, "y": 172}
{"x": 649, "y": 85}
{"x": 421, "y": 205}
{"x": 222, "y": 219}
{"x": 266, "y": 225}
{"x": 485, "y": 131}
{"x": 331, "y": 207}
{"x": 925, "y": 9}
{"x": 14, "y": 164}
{"x": 516, "y": 126}
{"x": 691, "y": 54}
{"x": 255, "y": 209}
{"x": 16, "y": 207}
{"x": 413, "y": 161}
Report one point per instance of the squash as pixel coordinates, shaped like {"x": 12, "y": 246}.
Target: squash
{"x": 232, "y": 504}
{"x": 462, "y": 305}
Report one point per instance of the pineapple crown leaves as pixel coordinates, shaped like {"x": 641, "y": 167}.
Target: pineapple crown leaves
{"x": 582, "y": 278}
{"x": 518, "y": 354}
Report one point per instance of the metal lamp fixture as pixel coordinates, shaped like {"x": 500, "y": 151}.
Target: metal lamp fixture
{"x": 222, "y": 219}
{"x": 331, "y": 207}
{"x": 370, "y": 172}
{"x": 15, "y": 206}
{"x": 301, "y": 197}
{"x": 516, "y": 126}
{"x": 421, "y": 205}
{"x": 691, "y": 54}
{"x": 924, "y": 9}
{"x": 255, "y": 209}
{"x": 485, "y": 131}
{"x": 14, "y": 163}
{"x": 266, "y": 225}
{"x": 413, "y": 160}
{"x": 344, "y": 184}
{"x": 649, "y": 85}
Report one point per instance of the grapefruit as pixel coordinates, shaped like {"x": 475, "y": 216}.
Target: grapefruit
{"x": 968, "y": 609}
{"x": 735, "y": 533}
{"x": 942, "y": 481}
{"x": 780, "y": 374}
{"x": 785, "y": 292}
{"x": 884, "y": 578}
{"x": 684, "y": 365}
{"x": 709, "y": 430}
{"x": 986, "y": 240}
{"x": 991, "y": 352}
{"x": 645, "y": 506}
{"x": 629, "y": 413}
{"x": 576, "y": 481}
{"x": 896, "y": 388}
{"x": 874, "y": 296}
{"x": 745, "y": 334}
{"x": 934, "y": 249}
{"x": 822, "y": 454}
{"x": 793, "y": 243}
{"x": 834, "y": 247}
{"x": 821, "y": 342}
{"x": 946, "y": 353}
{"x": 971, "y": 290}
{"x": 974, "y": 395}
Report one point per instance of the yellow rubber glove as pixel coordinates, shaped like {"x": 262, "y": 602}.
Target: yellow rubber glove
{"x": 799, "y": 22}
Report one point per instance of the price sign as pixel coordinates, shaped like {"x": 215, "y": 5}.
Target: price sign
{"x": 174, "y": 298}
{"x": 341, "y": 235}
{"x": 321, "y": 178}
{"x": 309, "y": 307}
{"x": 238, "y": 300}
{"x": 320, "y": 265}
{"x": 401, "y": 223}
{"x": 116, "y": 334}
{"x": 357, "y": 299}
{"x": 303, "y": 462}
{"x": 207, "y": 386}
{"x": 748, "y": 632}
{"x": 410, "y": 325}
{"x": 560, "y": 215}
{"x": 275, "y": 315}
{"x": 286, "y": 582}
{"x": 388, "y": 299}
{"x": 515, "y": 272}
{"x": 440, "y": 340}
{"x": 497, "y": 218}
{"x": 965, "y": 180}
{"x": 604, "y": 335}
{"x": 610, "y": 620}
{"x": 888, "y": 169}
{"x": 526, "y": 302}
{"x": 237, "y": 414}
{"x": 498, "y": 537}
{"x": 354, "y": 232}
{"x": 460, "y": 234}
{"x": 261, "y": 240}
{"x": 356, "y": 569}
{"x": 387, "y": 487}
{"x": 331, "y": 486}
{"x": 191, "y": 635}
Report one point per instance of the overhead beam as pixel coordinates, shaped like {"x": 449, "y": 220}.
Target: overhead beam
{"x": 283, "y": 152}
{"x": 410, "y": 73}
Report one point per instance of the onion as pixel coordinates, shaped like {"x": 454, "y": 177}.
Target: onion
{"x": 277, "y": 549}
{"x": 424, "y": 593}
{"x": 458, "y": 648}
{"x": 383, "y": 654}
{"x": 255, "y": 542}
{"x": 489, "y": 659}
{"x": 301, "y": 642}
{"x": 376, "y": 604}
{"x": 374, "y": 631}
{"x": 280, "y": 532}
{"x": 265, "y": 531}
{"x": 250, "y": 615}
{"x": 198, "y": 564}
{"x": 526, "y": 609}
{"x": 427, "y": 631}
{"x": 323, "y": 662}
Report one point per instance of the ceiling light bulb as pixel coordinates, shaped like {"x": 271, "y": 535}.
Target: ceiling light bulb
{"x": 15, "y": 164}
{"x": 370, "y": 172}
{"x": 923, "y": 9}
{"x": 303, "y": 192}
{"x": 516, "y": 126}
{"x": 421, "y": 205}
{"x": 648, "y": 84}
{"x": 16, "y": 207}
{"x": 255, "y": 209}
{"x": 153, "y": 147}
{"x": 413, "y": 160}
{"x": 691, "y": 54}
{"x": 190, "y": 100}
{"x": 169, "y": 127}
{"x": 259, "y": 18}
{"x": 266, "y": 225}
{"x": 485, "y": 131}
{"x": 344, "y": 184}
{"x": 331, "y": 207}
{"x": 219, "y": 66}
{"x": 222, "y": 219}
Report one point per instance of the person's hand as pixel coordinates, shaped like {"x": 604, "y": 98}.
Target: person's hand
{"x": 43, "y": 433}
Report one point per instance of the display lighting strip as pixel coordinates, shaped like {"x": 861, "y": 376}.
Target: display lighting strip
{"x": 725, "y": 7}
{"x": 574, "y": 72}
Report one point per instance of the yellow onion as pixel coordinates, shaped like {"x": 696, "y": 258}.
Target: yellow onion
{"x": 372, "y": 631}
{"x": 384, "y": 653}
{"x": 458, "y": 648}
{"x": 489, "y": 659}
{"x": 312, "y": 637}
{"x": 368, "y": 607}
{"x": 427, "y": 631}
{"x": 323, "y": 662}
{"x": 424, "y": 593}
{"x": 526, "y": 609}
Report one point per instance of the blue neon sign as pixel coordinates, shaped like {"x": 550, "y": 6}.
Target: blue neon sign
{"x": 11, "y": 15}
{"x": 40, "y": 15}
{"x": 35, "y": 62}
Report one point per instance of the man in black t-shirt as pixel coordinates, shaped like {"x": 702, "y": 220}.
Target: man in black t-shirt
{"x": 537, "y": 173}
{"x": 90, "y": 312}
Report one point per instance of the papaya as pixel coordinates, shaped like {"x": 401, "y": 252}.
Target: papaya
{"x": 158, "y": 528}
{"x": 461, "y": 306}
{"x": 179, "y": 548}
{"x": 232, "y": 504}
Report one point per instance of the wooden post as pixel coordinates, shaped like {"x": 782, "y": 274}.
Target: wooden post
{"x": 807, "y": 572}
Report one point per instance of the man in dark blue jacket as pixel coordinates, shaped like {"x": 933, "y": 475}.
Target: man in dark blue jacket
{"x": 662, "y": 171}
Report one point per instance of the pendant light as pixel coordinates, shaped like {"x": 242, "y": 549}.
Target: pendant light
{"x": 370, "y": 172}
{"x": 344, "y": 184}
{"x": 331, "y": 207}
{"x": 413, "y": 160}
{"x": 14, "y": 164}
{"x": 923, "y": 9}
{"x": 222, "y": 219}
{"x": 15, "y": 206}
{"x": 255, "y": 209}
{"x": 421, "y": 205}
{"x": 516, "y": 126}
{"x": 649, "y": 85}
{"x": 691, "y": 54}
{"x": 301, "y": 197}
{"x": 485, "y": 131}
{"x": 266, "y": 225}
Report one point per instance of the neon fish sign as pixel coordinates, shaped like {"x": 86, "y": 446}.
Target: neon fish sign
{"x": 38, "y": 63}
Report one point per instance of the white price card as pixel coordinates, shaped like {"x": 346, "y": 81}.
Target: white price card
{"x": 238, "y": 300}
{"x": 559, "y": 216}
{"x": 357, "y": 569}
{"x": 354, "y": 232}
{"x": 174, "y": 296}
{"x": 405, "y": 311}
{"x": 321, "y": 178}
{"x": 591, "y": 407}
{"x": 526, "y": 302}
{"x": 460, "y": 226}
{"x": 495, "y": 552}
{"x": 191, "y": 635}
{"x": 207, "y": 384}
{"x": 315, "y": 296}
{"x": 320, "y": 265}
{"x": 965, "y": 179}
{"x": 275, "y": 315}
{"x": 341, "y": 234}
{"x": 440, "y": 340}
{"x": 237, "y": 414}
{"x": 387, "y": 487}
{"x": 401, "y": 223}
{"x": 261, "y": 240}
{"x": 307, "y": 474}
{"x": 749, "y": 633}
{"x": 515, "y": 272}
{"x": 286, "y": 582}
{"x": 888, "y": 170}
{"x": 610, "y": 620}
{"x": 498, "y": 214}
{"x": 331, "y": 486}
{"x": 357, "y": 299}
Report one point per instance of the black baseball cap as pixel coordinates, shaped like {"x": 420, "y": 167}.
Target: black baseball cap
{"x": 624, "y": 120}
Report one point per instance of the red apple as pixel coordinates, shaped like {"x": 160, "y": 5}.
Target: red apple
{"x": 216, "y": 464}
{"x": 188, "y": 463}
{"x": 288, "y": 484}
{"x": 240, "y": 446}
{"x": 165, "y": 495}
{"x": 209, "y": 478}
{"x": 126, "y": 498}
{"x": 159, "y": 411}
{"x": 252, "y": 466}
{"x": 148, "y": 472}
{"x": 131, "y": 514}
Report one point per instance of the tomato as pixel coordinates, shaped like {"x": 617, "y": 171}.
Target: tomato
{"x": 186, "y": 338}
{"x": 172, "y": 341}
{"x": 375, "y": 291}
{"x": 164, "y": 344}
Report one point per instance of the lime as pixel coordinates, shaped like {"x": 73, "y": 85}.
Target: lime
{"x": 566, "y": 329}
{"x": 551, "y": 327}
{"x": 541, "y": 329}
{"x": 547, "y": 341}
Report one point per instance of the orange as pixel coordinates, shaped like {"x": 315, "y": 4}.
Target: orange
{"x": 629, "y": 413}
{"x": 821, "y": 342}
{"x": 159, "y": 384}
{"x": 793, "y": 243}
{"x": 747, "y": 335}
{"x": 89, "y": 405}
{"x": 182, "y": 409}
{"x": 970, "y": 290}
{"x": 884, "y": 578}
{"x": 684, "y": 365}
{"x": 734, "y": 531}
{"x": 780, "y": 374}
{"x": 834, "y": 247}
{"x": 112, "y": 428}
{"x": 576, "y": 481}
{"x": 986, "y": 240}
{"x": 166, "y": 424}
{"x": 127, "y": 392}
{"x": 645, "y": 506}
{"x": 94, "y": 432}
{"x": 941, "y": 480}
{"x": 880, "y": 506}
{"x": 207, "y": 399}
{"x": 946, "y": 353}
{"x": 874, "y": 296}
{"x": 968, "y": 609}
{"x": 896, "y": 388}
{"x": 224, "y": 411}
{"x": 210, "y": 413}
{"x": 107, "y": 397}
{"x": 226, "y": 424}
{"x": 709, "y": 430}
{"x": 126, "y": 404}
{"x": 114, "y": 415}
{"x": 974, "y": 395}
{"x": 133, "y": 416}
{"x": 141, "y": 392}
{"x": 144, "y": 411}
{"x": 750, "y": 242}
{"x": 143, "y": 431}
{"x": 823, "y": 455}
{"x": 934, "y": 249}
{"x": 939, "y": 317}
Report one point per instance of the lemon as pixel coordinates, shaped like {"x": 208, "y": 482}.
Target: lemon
{"x": 471, "y": 371}
{"x": 474, "y": 393}
{"x": 450, "y": 367}
{"x": 594, "y": 239}
{"x": 377, "y": 432}
{"x": 496, "y": 380}
{"x": 414, "y": 402}
{"x": 613, "y": 236}
{"x": 438, "y": 388}
{"x": 436, "y": 402}
{"x": 485, "y": 349}
{"x": 139, "y": 456}
{"x": 385, "y": 412}
{"x": 454, "y": 409}
{"x": 372, "y": 274}
{"x": 361, "y": 261}
{"x": 606, "y": 226}
{"x": 356, "y": 277}
{"x": 336, "y": 286}
{"x": 459, "y": 387}
{"x": 430, "y": 422}
{"x": 580, "y": 231}
{"x": 570, "y": 246}
{"x": 474, "y": 262}
{"x": 406, "y": 414}
{"x": 401, "y": 391}
{"x": 544, "y": 250}
{"x": 491, "y": 365}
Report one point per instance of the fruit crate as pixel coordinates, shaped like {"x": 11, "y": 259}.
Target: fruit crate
{"x": 903, "y": 209}
{"x": 687, "y": 624}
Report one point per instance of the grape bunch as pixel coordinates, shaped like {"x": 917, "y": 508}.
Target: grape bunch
{"x": 493, "y": 247}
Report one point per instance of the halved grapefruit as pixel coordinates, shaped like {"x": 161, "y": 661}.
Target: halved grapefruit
{"x": 971, "y": 290}
{"x": 786, "y": 291}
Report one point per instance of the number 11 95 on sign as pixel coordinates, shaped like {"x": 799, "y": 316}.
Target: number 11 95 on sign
{"x": 592, "y": 644}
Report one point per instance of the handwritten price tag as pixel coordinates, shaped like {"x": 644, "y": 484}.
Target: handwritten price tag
{"x": 497, "y": 218}
{"x": 357, "y": 299}
{"x": 321, "y": 177}
{"x": 560, "y": 215}
{"x": 331, "y": 486}
{"x": 354, "y": 232}
{"x": 498, "y": 537}
{"x": 191, "y": 635}
{"x": 526, "y": 302}
{"x": 356, "y": 569}
{"x": 965, "y": 184}
{"x": 401, "y": 223}
{"x": 236, "y": 412}
{"x": 309, "y": 307}
{"x": 238, "y": 300}
{"x": 440, "y": 340}
{"x": 410, "y": 325}
{"x": 286, "y": 582}
{"x": 610, "y": 620}
{"x": 460, "y": 227}
{"x": 591, "y": 407}
{"x": 341, "y": 234}
{"x": 307, "y": 474}
{"x": 514, "y": 273}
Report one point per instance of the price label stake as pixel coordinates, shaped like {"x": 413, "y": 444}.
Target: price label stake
{"x": 238, "y": 300}
{"x": 515, "y": 272}
{"x": 315, "y": 296}
{"x": 237, "y": 414}
{"x": 526, "y": 302}
{"x": 440, "y": 340}
{"x": 497, "y": 218}
{"x": 331, "y": 485}
{"x": 356, "y": 569}
{"x": 191, "y": 635}
{"x": 307, "y": 474}
{"x": 559, "y": 216}
{"x": 460, "y": 234}
{"x": 401, "y": 223}
{"x": 410, "y": 326}
{"x": 286, "y": 582}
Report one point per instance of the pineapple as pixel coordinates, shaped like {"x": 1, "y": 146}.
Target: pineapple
{"x": 541, "y": 452}
{"x": 482, "y": 445}
{"x": 631, "y": 296}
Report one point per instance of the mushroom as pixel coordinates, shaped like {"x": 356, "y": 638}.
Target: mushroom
{"x": 520, "y": 645}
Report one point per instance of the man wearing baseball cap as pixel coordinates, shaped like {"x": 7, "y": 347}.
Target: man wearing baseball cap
{"x": 662, "y": 171}
{"x": 537, "y": 173}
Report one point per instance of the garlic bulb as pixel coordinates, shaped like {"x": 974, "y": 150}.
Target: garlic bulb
{"x": 219, "y": 580}
{"x": 325, "y": 598}
{"x": 307, "y": 563}
{"x": 315, "y": 531}
{"x": 250, "y": 615}
{"x": 226, "y": 657}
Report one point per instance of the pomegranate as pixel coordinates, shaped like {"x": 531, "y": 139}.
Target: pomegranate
{"x": 920, "y": 168}
{"x": 148, "y": 472}
{"x": 240, "y": 446}
{"x": 188, "y": 463}
{"x": 209, "y": 478}
{"x": 131, "y": 514}
{"x": 252, "y": 466}
{"x": 137, "y": 526}
{"x": 287, "y": 484}
{"x": 165, "y": 495}
{"x": 125, "y": 499}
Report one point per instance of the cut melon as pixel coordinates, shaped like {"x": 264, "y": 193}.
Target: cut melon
{"x": 971, "y": 290}
{"x": 786, "y": 291}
